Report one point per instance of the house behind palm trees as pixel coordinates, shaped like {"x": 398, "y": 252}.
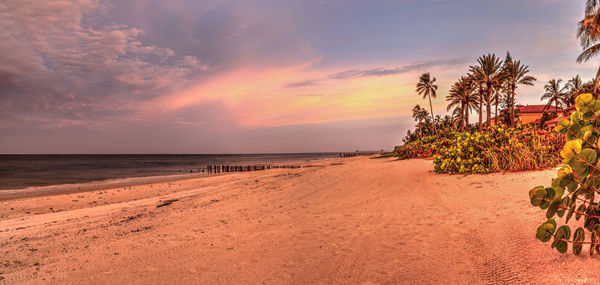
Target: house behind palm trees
{"x": 532, "y": 114}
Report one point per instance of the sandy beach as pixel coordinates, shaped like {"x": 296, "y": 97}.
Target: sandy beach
{"x": 348, "y": 221}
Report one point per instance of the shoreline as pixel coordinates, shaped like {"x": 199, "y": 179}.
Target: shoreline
{"x": 96, "y": 185}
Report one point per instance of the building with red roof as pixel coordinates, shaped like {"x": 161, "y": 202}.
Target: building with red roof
{"x": 530, "y": 114}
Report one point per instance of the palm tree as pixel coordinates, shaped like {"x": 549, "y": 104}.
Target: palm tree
{"x": 515, "y": 74}
{"x": 486, "y": 75}
{"x": 554, "y": 93}
{"x": 588, "y": 32}
{"x": 460, "y": 98}
{"x": 419, "y": 114}
{"x": 587, "y": 87}
{"x": 455, "y": 100}
{"x": 574, "y": 87}
{"x": 427, "y": 89}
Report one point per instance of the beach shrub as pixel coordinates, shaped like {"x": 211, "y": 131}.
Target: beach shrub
{"x": 425, "y": 147}
{"x": 572, "y": 194}
{"x": 499, "y": 149}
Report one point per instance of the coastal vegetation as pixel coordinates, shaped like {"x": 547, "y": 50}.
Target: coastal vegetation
{"x": 499, "y": 149}
{"x": 572, "y": 193}
{"x": 499, "y": 141}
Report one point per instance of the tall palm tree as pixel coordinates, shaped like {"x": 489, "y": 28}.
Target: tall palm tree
{"x": 455, "y": 100}
{"x": 420, "y": 115}
{"x": 574, "y": 87}
{"x": 515, "y": 74}
{"x": 460, "y": 98}
{"x": 554, "y": 93}
{"x": 486, "y": 75}
{"x": 427, "y": 88}
{"x": 588, "y": 32}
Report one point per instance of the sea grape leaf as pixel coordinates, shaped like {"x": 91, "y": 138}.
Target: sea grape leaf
{"x": 562, "y": 126}
{"x": 545, "y": 231}
{"x": 583, "y": 162}
{"x": 571, "y": 210}
{"x": 595, "y": 238}
{"x": 584, "y": 102}
{"x": 565, "y": 202}
{"x": 591, "y": 219}
{"x": 574, "y": 131}
{"x": 587, "y": 132}
{"x": 564, "y": 170}
{"x": 578, "y": 238}
{"x": 580, "y": 211}
{"x": 590, "y": 195}
{"x": 534, "y": 189}
{"x": 576, "y": 118}
{"x": 545, "y": 202}
{"x": 538, "y": 196}
{"x": 558, "y": 192}
{"x": 572, "y": 186}
{"x": 571, "y": 149}
{"x": 553, "y": 208}
{"x": 560, "y": 239}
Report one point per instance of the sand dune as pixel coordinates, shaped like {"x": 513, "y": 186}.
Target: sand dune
{"x": 351, "y": 221}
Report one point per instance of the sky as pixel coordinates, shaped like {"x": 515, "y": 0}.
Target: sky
{"x": 220, "y": 76}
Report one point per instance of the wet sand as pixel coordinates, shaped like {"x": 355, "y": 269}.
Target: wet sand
{"x": 349, "y": 221}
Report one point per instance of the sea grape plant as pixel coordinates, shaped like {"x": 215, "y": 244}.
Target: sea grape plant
{"x": 573, "y": 192}
{"x": 499, "y": 149}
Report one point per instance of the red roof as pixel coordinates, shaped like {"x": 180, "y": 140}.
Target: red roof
{"x": 537, "y": 109}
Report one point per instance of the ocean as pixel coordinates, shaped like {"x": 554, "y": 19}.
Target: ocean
{"x": 23, "y": 171}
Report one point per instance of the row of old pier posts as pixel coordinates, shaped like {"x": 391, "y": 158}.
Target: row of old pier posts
{"x": 359, "y": 153}
{"x": 214, "y": 169}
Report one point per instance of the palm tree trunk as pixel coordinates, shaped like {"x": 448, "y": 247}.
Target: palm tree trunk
{"x": 596, "y": 83}
{"x": 467, "y": 117}
{"x": 489, "y": 110}
{"x": 480, "y": 111}
{"x": 432, "y": 117}
{"x": 461, "y": 118}
{"x": 512, "y": 103}
{"x": 496, "y": 119}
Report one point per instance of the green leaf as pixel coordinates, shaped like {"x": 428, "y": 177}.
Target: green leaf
{"x": 576, "y": 118}
{"x": 588, "y": 132}
{"x": 534, "y": 189}
{"x": 590, "y": 196}
{"x": 545, "y": 231}
{"x": 580, "y": 211}
{"x": 571, "y": 149}
{"x": 584, "y": 102}
{"x": 591, "y": 220}
{"x": 578, "y": 238}
{"x": 538, "y": 196}
{"x": 560, "y": 239}
{"x": 572, "y": 206}
{"x": 564, "y": 170}
{"x": 564, "y": 123}
{"x": 565, "y": 202}
{"x": 545, "y": 202}
{"x": 573, "y": 132}
{"x": 583, "y": 162}
{"x": 572, "y": 186}
{"x": 553, "y": 208}
{"x": 595, "y": 238}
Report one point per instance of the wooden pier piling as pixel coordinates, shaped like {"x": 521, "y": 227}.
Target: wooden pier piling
{"x": 216, "y": 169}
